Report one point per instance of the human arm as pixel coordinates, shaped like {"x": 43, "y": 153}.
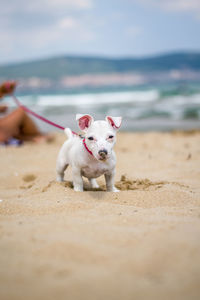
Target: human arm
{"x": 3, "y": 108}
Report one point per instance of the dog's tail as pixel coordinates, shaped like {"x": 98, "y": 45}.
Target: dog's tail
{"x": 68, "y": 133}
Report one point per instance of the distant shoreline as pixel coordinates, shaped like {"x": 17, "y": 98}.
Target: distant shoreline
{"x": 67, "y": 72}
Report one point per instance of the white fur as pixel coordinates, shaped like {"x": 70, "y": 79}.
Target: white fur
{"x": 74, "y": 153}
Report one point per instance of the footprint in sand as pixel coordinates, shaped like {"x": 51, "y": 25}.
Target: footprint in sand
{"x": 29, "y": 177}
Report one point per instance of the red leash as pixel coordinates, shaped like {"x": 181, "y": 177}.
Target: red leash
{"x": 46, "y": 120}
{"x": 36, "y": 115}
{"x": 86, "y": 147}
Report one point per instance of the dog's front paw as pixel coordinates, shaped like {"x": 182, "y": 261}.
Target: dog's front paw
{"x": 93, "y": 183}
{"x": 78, "y": 189}
{"x": 113, "y": 189}
{"x": 59, "y": 178}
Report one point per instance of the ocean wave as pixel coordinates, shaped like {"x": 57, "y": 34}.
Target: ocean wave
{"x": 131, "y": 105}
{"x": 97, "y": 98}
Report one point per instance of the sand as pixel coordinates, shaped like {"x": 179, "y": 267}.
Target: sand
{"x": 141, "y": 243}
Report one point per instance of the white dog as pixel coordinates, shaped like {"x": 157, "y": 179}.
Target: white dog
{"x": 92, "y": 156}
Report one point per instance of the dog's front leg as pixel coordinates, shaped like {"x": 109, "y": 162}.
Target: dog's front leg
{"x": 109, "y": 177}
{"x": 93, "y": 183}
{"x": 77, "y": 179}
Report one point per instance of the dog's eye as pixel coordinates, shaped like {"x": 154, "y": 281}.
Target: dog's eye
{"x": 91, "y": 138}
{"x": 111, "y": 137}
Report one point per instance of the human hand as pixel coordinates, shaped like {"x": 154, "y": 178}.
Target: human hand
{"x": 7, "y": 88}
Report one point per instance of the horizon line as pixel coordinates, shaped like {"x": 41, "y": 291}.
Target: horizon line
{"x": 101, "y": 56}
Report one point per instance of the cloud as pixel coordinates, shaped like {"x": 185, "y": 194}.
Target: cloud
{"x": 43, "y": 23}
{"x": 20, "y": 15}
{"x": 74, "y": 27}
{"x": 180, "y": 6}
{"x": 133, "y": 31}
{"x": 68, "y": 23}
{"x": 45, "y": 6}
{"x": 79, "y": 4}
{"x": 62, "y": 35}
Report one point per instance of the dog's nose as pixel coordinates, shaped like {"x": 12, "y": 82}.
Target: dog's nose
{"x": 103, "y": 152}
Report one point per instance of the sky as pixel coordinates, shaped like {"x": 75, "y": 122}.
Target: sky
{"x": 121, "y": 28}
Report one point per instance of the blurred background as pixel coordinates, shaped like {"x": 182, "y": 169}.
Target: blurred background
{"x": 139, "y": 59}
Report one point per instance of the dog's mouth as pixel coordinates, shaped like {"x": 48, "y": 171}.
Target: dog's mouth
{"x": 102, "y": 158}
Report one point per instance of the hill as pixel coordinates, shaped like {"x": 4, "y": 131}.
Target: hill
{"x": 57, "y": 67}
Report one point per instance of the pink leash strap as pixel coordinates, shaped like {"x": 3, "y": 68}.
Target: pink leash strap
{"x": 36, "y": 115}
{"x": 86, "y": 147}
{"x": 46, "y": 120}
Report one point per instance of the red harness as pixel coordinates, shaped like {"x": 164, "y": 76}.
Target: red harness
{"x": 46, "y": 120}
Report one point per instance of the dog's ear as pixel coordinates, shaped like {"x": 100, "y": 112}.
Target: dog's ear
{"x": 115, "y": 122}
{"x": 84, "y": 121}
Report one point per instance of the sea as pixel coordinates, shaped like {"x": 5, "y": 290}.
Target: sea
{"x": 143, "y": 108}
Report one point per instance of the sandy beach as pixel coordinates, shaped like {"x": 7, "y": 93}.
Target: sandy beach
{"x": 140, "y": 243}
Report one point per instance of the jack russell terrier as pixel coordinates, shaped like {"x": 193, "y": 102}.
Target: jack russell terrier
{"x": 91, "y": 156}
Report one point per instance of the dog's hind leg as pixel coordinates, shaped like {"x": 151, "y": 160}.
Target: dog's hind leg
{"x": 62, "y": 160}
{"x": 60, "y": 169}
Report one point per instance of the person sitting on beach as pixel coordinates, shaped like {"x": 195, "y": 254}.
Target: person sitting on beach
{"x": 17, "y": 124}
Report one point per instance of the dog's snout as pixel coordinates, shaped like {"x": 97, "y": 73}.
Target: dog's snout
{"x": 103, "y": 152}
